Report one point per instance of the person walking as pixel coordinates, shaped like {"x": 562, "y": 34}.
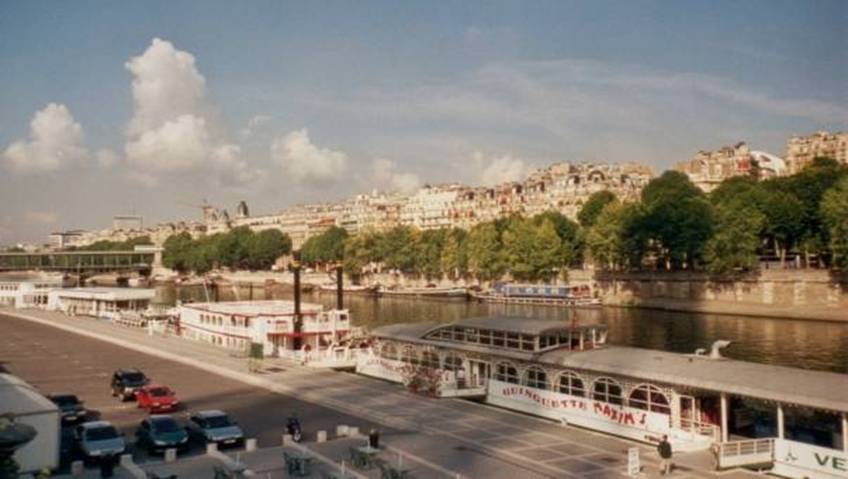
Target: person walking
{"x": 664, "y": 450}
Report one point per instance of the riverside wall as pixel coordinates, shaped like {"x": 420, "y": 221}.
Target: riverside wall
{"x": 800, "y": 294}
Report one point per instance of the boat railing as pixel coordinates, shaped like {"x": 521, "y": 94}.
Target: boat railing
{"x": 745, "y": 453}
{"x": 701, "y": 428}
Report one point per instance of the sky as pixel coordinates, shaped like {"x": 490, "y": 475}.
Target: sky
{"x": 151, "y": 107}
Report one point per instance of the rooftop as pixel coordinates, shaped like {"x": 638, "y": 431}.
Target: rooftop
{"x": 255, "y": 308}
{"x": 112, "y": 294}
{"x": 512, "y": 324}
{"x": 818, "y": 389}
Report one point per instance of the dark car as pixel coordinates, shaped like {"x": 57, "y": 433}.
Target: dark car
{"x": 126, "y": 382}
{"x": 70, "y": 407}
{"x": 160, "y": 432}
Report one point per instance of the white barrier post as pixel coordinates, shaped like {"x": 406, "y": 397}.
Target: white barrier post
{"x": 77, "y": 467}
{"x": 341, "y": 430}
{"x": 250, "y": 445}
{"x": 211, "y": 447}
{"x": 170, "y": 454}
{"x": 287, "y": 439}
{"x": 321, "y": 437}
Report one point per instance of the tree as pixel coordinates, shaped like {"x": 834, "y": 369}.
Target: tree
{"x": 360, "y": 250}
{"x": 605, "y": 238}
{"x": 519, "y": 248}
{"x": 571, "y": 239}
{"x": 232, "y": 247}
{"x": 176, "y": 249}
{"x": 592, "y": 208}
{"x": 428, "y": 253}
{"x": 547, "y": 259}
{"x": 265, "y": 247}
{"x": 834, "y": 212}
{"x": 784, "y": 220}
{"x": 397, "y": 248}
{"x": 485, "y": 259}
{"x": 734, "y": 243}
{"x": 327, "y": 247}
{"x": 455, "y": 254}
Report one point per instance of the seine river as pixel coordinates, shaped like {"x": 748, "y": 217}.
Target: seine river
{"x": 804, "y": 344}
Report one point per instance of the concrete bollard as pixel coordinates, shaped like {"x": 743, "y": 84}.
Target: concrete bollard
{"x": 321, "y": 437}
{"x": 341, "y": 430}
{"x": 287, "y": 439}
{"x": 353, "y": 431}
{"x": 126, "y": 460}
{"x": 170, "y": 454}
{"x": 77, "y": 467}
{"x": 211, "y": 447}
{"x": 250, "y": 445}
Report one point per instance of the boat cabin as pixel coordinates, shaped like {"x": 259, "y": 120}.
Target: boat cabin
{"x": 751, "y": 413}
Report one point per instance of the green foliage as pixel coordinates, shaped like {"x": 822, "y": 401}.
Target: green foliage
{"x": 107, "y": 245}
{"x": 328, "y": 247}
{"x": 594, "y": 205}
{"x": 834, "y": 213}
{"x": 734, "y": 243}
{"x": 239, "y": 248}
{"x": 359, "y": 251}
{"x": 605, "y": 238}
{"x": 485, "y": 259}
{"x": 455, "y": 254}
{"x": 428, "y": 254}
{"x": 397, "y": 248}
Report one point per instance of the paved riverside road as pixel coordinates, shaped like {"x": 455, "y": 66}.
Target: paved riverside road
{"x": 453, "y": 435}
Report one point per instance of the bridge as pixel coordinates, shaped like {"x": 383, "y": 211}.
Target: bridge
{"x": 143, "y": 259}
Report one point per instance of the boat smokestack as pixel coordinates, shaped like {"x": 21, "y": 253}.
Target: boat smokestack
{"x": 715, "y": 350}
{"x": 339, "y": 287}
{"x": 298, "y": 320}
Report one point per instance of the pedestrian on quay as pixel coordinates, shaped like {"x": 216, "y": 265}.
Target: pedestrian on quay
{"x": 664, "y": 450}
{"x": 374, "y": 439}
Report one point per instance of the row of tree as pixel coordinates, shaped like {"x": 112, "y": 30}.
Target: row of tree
{"x": 674, "y": 226}
{"x": 239, "y": 248}
{"x": 109, "y": 245}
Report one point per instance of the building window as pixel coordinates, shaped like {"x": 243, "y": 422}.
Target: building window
{"x": 453, "y": 362}
{"x": 649, "y": 398}
{"x": 506, "y": 372}
{"x": 607, "y": 390}
{"x": 536, "y": 378}
{"x": 571, "y": 384}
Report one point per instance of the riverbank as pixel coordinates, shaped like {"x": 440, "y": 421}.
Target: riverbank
{"x": 735, "y": 309}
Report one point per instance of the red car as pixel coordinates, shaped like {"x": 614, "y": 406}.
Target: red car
{"x": 157, "y": 399}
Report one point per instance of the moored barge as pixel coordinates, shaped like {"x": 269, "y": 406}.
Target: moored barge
{"x": 791, "y": 420}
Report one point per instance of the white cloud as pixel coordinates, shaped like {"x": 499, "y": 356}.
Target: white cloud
{"x": 254, "y": 124}
{"x": 106, "y": 157}
{"x": 497, "y": 170}
{"x": 305, "y": 161}
{"x": 56, "y": 142}
{"x": 40, "y": 218}
{"x": 385, "y": 176}
{"x": 172, "y": 129}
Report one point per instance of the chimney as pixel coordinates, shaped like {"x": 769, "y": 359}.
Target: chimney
{"x": 339, "y": 287}
{"x": 298, "y": 320}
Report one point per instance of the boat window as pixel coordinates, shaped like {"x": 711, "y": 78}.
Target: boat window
{"x": 388, "y": 351}
{"x": 512, "y": 340}
{"x": 472, "y": 335}
{"x": 485, "y": 336}
{"x": 649, "y": 398}
{"x": 507, "y": 373}
{"x": 607, "y": 390}
{"x": 498, "y": 338}
{"x": 459, "y": 334}
{"x": 453, "y": 362}
{"x": 430, "y": 359}
{"x": 528, "y": 342}
{"x": 409, "y": 355}
{"x": 536, "y": 378}
{"x": 571, "y": 384}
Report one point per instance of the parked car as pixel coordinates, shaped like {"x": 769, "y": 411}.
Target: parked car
{"x": 99, "y": 439}
{"x": 156, "y": 399}
{"x": 159, "y": 432}
{"x": 125, "y": 383}
{"x": 215, "y": 426}
{"x": 70, "y": 407}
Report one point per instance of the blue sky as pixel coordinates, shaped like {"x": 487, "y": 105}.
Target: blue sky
{"x": 285, "y": 102}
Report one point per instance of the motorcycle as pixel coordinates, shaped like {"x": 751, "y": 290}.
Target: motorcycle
{"x": 293, "y": 429}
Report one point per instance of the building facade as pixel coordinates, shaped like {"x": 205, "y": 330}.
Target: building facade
{"x": 801, "y": 150}
{"x": 709, "y": 168}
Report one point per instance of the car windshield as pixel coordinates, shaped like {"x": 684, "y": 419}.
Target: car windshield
{"x": 218, "y": 421}
{"x": 159, "y": 392}
{"x": 66, "y": 400}
{"x": 134, "y": 378}
{"x": 101, "y": 433}
{"x": 166, "y": 425}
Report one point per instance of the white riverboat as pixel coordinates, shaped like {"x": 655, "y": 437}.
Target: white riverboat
{"x": 791, "y": 420}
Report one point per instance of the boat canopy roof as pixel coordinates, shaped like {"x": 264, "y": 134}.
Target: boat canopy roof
{"x": 523, "y": 325}
{"x": 818, "y": 389}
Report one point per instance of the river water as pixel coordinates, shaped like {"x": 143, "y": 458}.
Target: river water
{"x": 801, "y": 344}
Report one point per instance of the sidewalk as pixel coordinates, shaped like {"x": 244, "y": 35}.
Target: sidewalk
{"x": 453, "y": 435}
